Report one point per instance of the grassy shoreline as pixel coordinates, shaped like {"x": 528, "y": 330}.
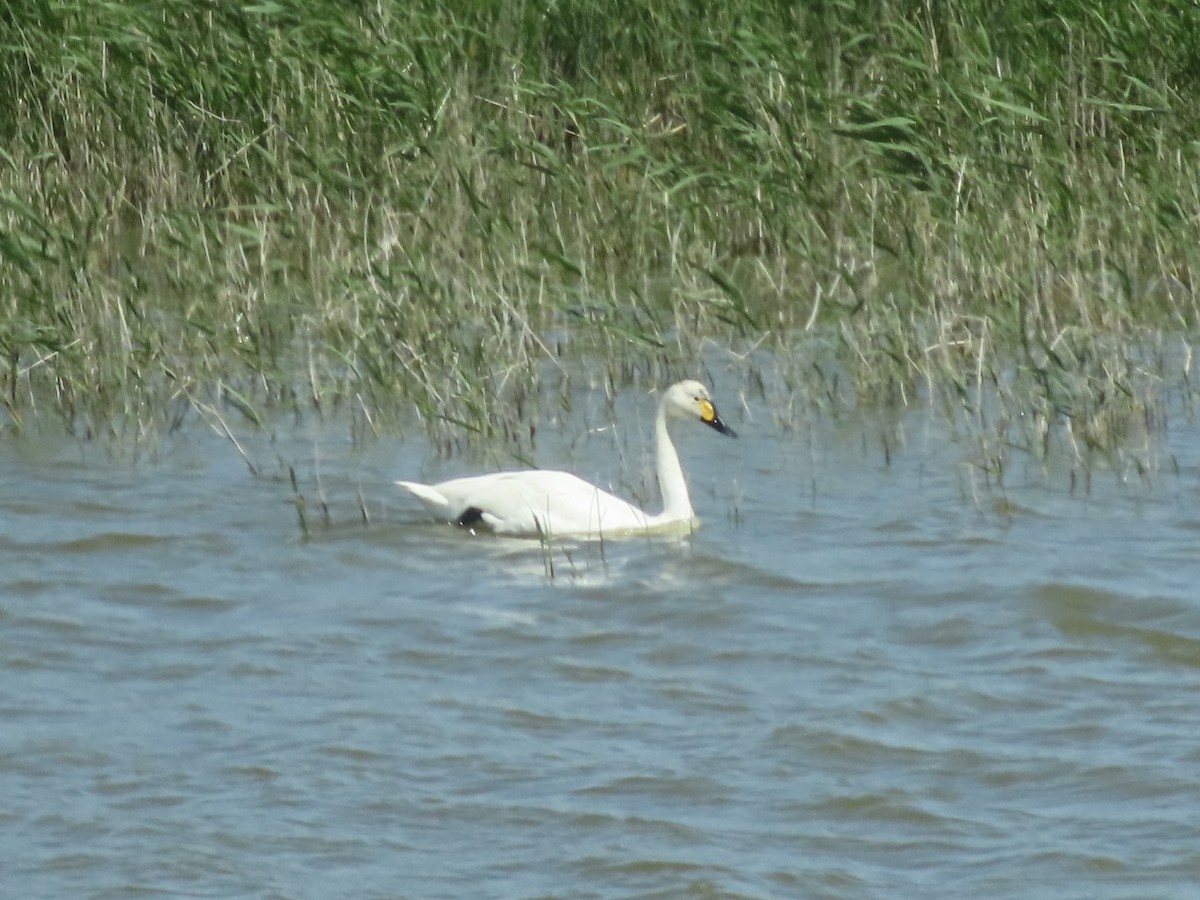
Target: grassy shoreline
{"x": 303, "y": 205}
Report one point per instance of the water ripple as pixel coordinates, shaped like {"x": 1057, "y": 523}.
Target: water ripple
{"x": 865, "y": 685}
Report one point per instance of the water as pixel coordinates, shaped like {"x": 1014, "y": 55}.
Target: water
{"x": 867, "y": 675}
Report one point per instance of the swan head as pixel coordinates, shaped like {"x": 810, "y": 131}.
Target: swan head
{"x": 690, "y": 400}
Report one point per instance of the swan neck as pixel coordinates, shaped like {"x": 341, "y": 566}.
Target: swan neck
{"x": 676, "y": 503}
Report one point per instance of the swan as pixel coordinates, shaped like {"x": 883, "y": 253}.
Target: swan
{"x": 546, "y": 503}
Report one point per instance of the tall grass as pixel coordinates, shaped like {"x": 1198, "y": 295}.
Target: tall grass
{"x": 210, "y": 206}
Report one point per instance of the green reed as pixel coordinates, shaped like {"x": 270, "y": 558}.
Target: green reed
{"x": 228, "y": 208}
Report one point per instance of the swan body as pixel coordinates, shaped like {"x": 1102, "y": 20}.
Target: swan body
{"x": 548, "y": 503}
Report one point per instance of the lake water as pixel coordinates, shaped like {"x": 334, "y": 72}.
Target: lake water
{"x": 867, "y": 675}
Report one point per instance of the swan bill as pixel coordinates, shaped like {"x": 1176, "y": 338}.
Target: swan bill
{"x": 708, "y": 415}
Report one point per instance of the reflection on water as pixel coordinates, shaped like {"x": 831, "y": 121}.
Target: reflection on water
{"x": 859, "y": 678}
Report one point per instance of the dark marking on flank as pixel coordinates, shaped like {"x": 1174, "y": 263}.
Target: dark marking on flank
{"x": 471, "y": 516}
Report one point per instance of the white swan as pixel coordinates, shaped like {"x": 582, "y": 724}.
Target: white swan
{"x": 546, "y": 503}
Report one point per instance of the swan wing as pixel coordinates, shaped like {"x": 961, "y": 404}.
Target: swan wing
{"x": 532, "y": 502}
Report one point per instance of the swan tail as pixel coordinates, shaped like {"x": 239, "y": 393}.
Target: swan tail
{"x": 442, "y": 507}
{"x": 431, "y": 497}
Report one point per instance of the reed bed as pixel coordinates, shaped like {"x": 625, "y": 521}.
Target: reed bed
{"x": 229, "y": 210}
